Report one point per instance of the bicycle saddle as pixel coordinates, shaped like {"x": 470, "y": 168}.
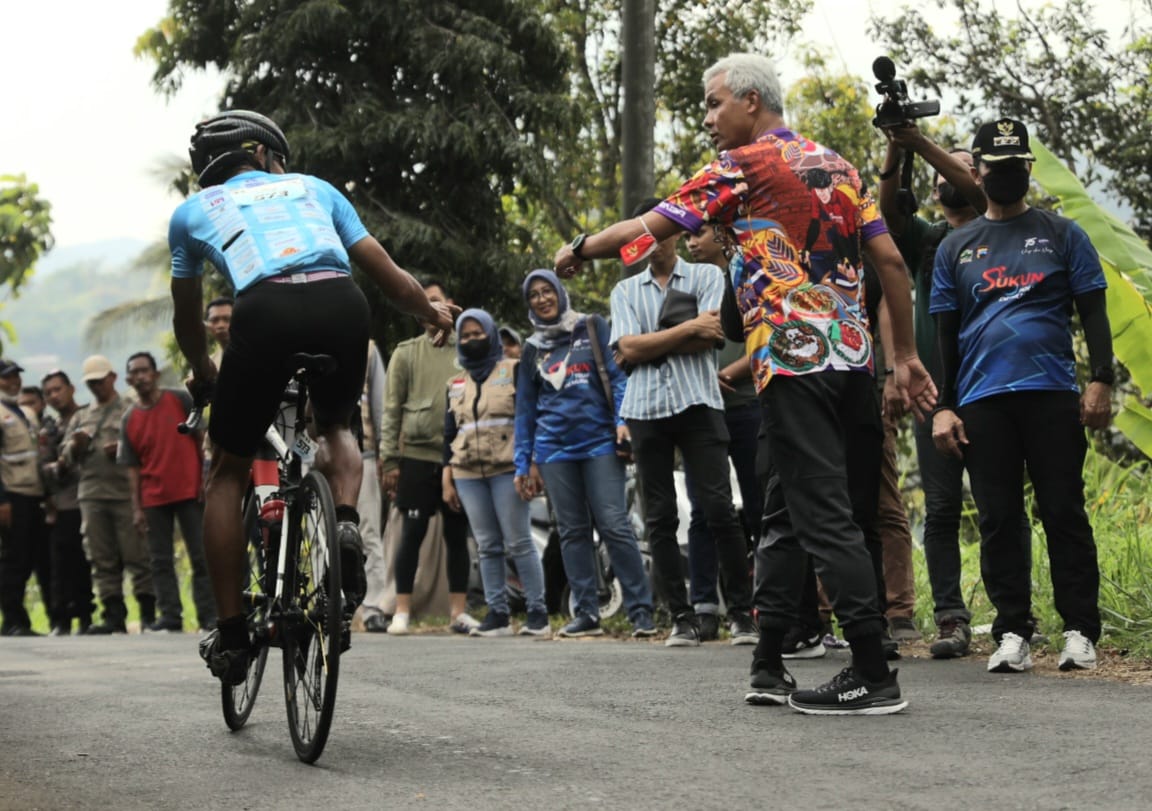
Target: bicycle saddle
{"x": 311, "y": 367}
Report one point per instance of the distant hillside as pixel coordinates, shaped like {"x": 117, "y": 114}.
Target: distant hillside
{"x": 108, "y": 254}
{"x": 71, "y": 285}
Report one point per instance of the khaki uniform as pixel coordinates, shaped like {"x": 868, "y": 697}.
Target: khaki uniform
{"x": 111, "y": 541}
{"x": 484, "y": 447}
{"x": 24, "y": 545}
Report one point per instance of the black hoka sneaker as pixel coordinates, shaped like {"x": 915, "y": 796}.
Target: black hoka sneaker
{"x": 849, "y": 694}
{"x": 769, "y": 687}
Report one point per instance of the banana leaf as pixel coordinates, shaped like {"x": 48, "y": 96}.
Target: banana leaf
{"x": 1127, "y": 262}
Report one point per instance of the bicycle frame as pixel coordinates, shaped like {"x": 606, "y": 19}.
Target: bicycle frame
{"x": 290, "y": 465}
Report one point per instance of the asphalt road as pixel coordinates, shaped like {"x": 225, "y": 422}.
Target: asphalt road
{"x": 447, "y": 722}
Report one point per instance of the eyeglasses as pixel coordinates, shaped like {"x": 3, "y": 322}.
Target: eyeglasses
{"x": 536, "y": 295}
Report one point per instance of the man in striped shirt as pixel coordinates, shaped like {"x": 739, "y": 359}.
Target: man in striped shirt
{"x": 673, "y": 401}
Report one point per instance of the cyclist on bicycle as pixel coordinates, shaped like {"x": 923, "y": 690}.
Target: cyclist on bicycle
{"x": 285, "y": 241}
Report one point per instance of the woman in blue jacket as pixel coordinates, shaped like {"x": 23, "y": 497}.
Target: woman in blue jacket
{"x": 567, "y": 432}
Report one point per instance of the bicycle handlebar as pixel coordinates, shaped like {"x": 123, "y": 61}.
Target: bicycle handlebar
{"x": 192, "y": 421}
{"x": 200, "y": 400}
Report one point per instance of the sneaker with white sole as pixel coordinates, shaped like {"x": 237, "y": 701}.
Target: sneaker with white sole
{"x": 399, "y": 625}
{"x": 769, "y": 687}
{"x": 1079, "y": 653}
{"x": 849, "y": 693}
{"x": 1013, "y": 656}
{"x": 495, "y": 624}
{"x": 684, "y": 634}
{"x": 536, "y": 625}
{"x": 642, "y": 624}
{"x": 800, "y": 643}
{"x": 743, "y": 629}
{"x": 581, "y": 625}
{"x": 464, "y": 623}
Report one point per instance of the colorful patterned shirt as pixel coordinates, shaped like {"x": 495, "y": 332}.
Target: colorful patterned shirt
{"x": 801, "y": 218}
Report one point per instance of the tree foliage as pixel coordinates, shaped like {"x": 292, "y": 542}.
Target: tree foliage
{"x": 1052, "y": 66}
{"x": 25, "y": 229}
{"x": 836, "y": 110}
{"x": 584, "y": 192}
{"x": 426, "y": 112}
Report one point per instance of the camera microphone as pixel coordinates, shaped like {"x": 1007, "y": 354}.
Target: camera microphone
{"x": 884, "y": 69}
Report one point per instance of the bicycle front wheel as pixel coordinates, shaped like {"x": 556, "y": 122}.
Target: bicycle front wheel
{"x": 313, "y": 617}
{"x": 238, "y": 700}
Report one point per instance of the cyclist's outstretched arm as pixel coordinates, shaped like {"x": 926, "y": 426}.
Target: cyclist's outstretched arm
{"x": 399, "y": 285}
{"x": 188, "y": 324}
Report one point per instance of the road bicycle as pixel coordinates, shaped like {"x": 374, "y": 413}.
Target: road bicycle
{"x": 293, "y": 593}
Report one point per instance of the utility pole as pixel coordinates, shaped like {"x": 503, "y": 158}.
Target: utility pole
{"x": 638, "y": 68}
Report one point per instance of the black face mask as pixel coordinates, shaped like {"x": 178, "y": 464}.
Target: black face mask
{"x": 950, "y": 198}
{"x": 477, "y": 349}
{"x": 1008, "y": 185}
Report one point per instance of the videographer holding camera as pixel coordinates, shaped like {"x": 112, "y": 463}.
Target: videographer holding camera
{"x": 961, "y": 200}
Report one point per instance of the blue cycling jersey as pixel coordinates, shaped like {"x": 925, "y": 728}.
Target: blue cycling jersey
{"x": 1013, "y": 282}
{"x": 257, "y": 225}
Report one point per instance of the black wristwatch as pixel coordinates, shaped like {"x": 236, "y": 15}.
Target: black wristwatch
{"x": 1103, "y": 374}
{"x": 577, "y": 244}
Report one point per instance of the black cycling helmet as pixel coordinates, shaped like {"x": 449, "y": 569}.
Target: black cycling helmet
{"x": 226, "y": 141}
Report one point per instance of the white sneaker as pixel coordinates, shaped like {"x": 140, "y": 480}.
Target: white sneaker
{"x": 399, "y": 625}
{"x": 464, "y": 623}
{"x": 1013, "y": 656}
{"x": 1079, "y": 653}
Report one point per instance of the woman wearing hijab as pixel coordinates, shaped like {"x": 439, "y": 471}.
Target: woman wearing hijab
{"x": 567, "y": 439}
{"x": 478, "y": 473}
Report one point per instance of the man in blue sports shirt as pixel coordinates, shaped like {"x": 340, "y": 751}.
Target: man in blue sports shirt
{"x": 285, "y": 242}
{"x": 1003, "y": 289}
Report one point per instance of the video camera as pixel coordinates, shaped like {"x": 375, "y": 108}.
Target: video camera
{"x": 897, "y": 107}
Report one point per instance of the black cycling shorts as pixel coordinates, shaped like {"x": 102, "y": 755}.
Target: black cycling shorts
{"x": 270, "y": 323}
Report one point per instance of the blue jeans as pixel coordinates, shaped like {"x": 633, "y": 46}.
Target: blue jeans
{"x": 499, "y": 519}
{"x": 743, "y": 429}
{"x": 596, "y": 484}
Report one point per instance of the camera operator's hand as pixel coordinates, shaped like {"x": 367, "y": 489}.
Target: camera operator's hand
{"x": 906, "y": 136}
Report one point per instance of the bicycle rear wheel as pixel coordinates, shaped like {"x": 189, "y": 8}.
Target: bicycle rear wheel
{"x": 238, "y": 700}
{"x": 313, "y": 617}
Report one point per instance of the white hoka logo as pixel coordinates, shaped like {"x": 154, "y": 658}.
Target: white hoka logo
{"x": 852, "y": 695}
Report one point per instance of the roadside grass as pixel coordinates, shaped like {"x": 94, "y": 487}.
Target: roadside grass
{"x": 1119, "y": 503}
{"x": 35, "y": 605}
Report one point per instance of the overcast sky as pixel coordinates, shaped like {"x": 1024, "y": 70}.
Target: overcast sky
{"x": 82, "y": 121}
